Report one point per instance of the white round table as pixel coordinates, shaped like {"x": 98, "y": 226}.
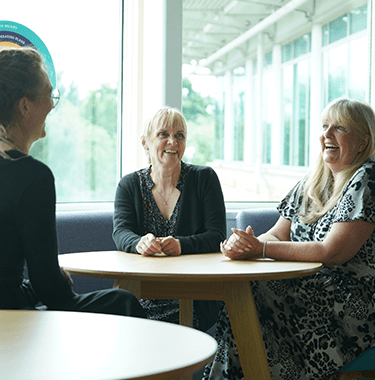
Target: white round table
{"x": 38, "y": 345}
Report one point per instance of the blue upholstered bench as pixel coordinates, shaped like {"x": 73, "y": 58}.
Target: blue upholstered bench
{"x": 85, "y": 231}
{"x": 261, "y": 220}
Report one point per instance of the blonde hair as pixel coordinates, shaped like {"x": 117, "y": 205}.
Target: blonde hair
{"x": 166, "y": 116}
{"x": 321, "y": 191}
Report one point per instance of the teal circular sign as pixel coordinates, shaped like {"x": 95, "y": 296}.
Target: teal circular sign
{"x": 14, "y": 34}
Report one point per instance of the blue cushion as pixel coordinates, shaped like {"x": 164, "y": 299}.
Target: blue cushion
{"x": 260, "y": 219}
{"x": 86, "y": 231}
{"x": 365, "y": 361}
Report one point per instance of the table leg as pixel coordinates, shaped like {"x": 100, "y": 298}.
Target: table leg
{"x": 186, "y": 313}
{"x": 186, "y": 318}
{"x": 239, "y": 301}
{"x": 132, "y": 286}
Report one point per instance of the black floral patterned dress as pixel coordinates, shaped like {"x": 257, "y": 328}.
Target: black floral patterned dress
{"x": 314, "y": 325}
{"x": 154, "y": 222}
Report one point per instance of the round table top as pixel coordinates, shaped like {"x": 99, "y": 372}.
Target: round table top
{"x": 203, "y": 267}
{"x": 70, "y": 345}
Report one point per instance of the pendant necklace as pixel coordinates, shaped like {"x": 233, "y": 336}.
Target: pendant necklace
{"x": 165, "y": 201}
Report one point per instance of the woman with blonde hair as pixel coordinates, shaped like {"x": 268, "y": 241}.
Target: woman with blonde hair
{"x": 170, "y": 208}
{"x": 313, "y": 326}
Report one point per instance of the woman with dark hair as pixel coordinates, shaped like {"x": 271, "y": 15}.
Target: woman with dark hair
{"x": 27, "y": 199}
{"x": 312, "y": 326}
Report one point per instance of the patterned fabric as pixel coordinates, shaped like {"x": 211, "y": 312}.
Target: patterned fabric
{"x": 153, "y": 219}
{"x": 314, "y": 325}
{"x": 164, "y": 310}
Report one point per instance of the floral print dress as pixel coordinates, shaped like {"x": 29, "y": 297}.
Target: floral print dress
{"x": 314, "y": 325}
{"x": 154, "y": 222}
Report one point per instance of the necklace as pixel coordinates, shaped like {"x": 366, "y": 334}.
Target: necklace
{"x": 165, "y": 201}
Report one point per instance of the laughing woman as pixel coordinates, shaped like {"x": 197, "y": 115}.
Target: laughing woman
{"x": 312, "y": 326}
{"x": 171, "y": 208}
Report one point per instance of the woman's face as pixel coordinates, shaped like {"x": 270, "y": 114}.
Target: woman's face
{"x": 39, "y": 109}
{"x": 166, "y": 144}
{"x": 340, "y": 144}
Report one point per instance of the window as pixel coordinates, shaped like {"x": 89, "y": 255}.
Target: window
{"x": 238, "y": 107}
{"x": 263, "y": 153}
{"x": 296, "y": 99}
{"x": 345, "y": 57}
{"x": 254, "y": 124}
{"x": 81, "y": 144}
{"x": 219, "y": 111}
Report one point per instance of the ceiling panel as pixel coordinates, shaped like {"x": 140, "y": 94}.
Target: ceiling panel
{"x": 208, "y": 25}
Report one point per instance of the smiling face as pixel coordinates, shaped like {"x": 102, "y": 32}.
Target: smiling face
{"x": 340, "y": 144}
{"x": 166, "y": 138}
{"x": 166, "y": 144}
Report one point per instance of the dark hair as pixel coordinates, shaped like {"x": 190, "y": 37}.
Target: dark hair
{"x": 20, "y": 76}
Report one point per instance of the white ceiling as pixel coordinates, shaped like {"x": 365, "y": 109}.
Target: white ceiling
{"x": 209, "y": 25}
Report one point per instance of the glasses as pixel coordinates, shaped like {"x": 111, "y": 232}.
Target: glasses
{"x": 55, "y": 97}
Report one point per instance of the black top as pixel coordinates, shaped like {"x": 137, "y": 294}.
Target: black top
{"x": 201, "y": 220}
{"x": 28, "y": 234}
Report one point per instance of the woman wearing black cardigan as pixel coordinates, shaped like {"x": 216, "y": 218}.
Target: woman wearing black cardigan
{"x": 170, "y": 208}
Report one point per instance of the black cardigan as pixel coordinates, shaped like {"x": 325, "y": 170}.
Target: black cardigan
{"x": 201, "y": 224}
{"x": 28, "y": 233}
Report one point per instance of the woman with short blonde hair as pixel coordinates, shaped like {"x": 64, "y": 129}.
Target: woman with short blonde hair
{"x": 170, "y": 208}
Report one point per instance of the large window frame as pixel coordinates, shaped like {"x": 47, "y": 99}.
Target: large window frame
{"x": 136, "y": 88}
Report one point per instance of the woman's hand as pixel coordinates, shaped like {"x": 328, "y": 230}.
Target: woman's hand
{"x": 170, "y": 246}
{"x": 242, "y": 245}
{"x": 149, "y": 245}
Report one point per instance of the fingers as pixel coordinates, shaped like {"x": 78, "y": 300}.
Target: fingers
{"x": 247, "y": 235}
{"x": 170, "y": 246}
{"x": 222, "y": 247}
{"x": 240, "y": 245}
{"x": 249, "y": 230}
{"x": 148, "y": 245}
{"x": 239, "y": 241}
{"x": 234, "y": 254}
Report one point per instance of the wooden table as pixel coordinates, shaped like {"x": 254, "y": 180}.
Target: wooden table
{"x": 47, "y": 345}
{"x": 193, "y": 277}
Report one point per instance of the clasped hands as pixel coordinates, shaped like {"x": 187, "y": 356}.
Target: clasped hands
{"x": 242, "y": 245}
{"x": 150, "y": 245}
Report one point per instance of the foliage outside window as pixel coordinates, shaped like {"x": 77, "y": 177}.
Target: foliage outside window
{"x": 81, "y": 143}
{"x": 199, "y": 115}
